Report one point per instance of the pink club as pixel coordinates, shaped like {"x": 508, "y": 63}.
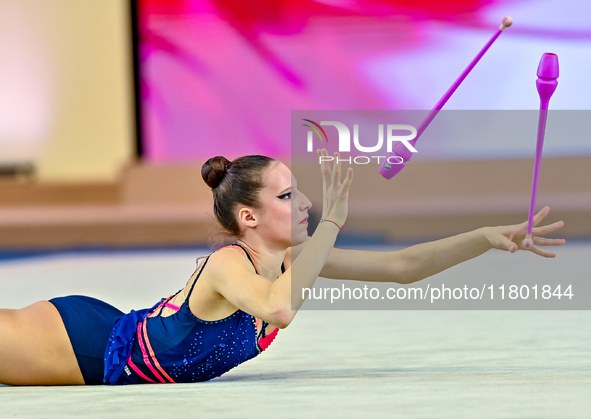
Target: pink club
{"x": 546, "y": 84}
{"x": 400, "y": 151}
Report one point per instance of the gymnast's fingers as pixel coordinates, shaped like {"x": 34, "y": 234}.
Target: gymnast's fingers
{"x": 505, "y": 243}
{"x": 541, "y": 214}
{"x": 336, "y": 170}
{"x": 543, "y": 241}
{"x": 324, "y": 166}
{"x": 542, "y": 231}
{"x": 541, "y": 252}
{"x": 347, "y": 181}
{"x": 516, "y": 232}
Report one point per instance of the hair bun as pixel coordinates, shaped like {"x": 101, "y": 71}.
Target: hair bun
{"x": 214, "y": 170}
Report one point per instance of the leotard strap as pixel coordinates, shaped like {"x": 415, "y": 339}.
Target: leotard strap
{"x": 245, "y": 252}
{"x": 238, "y": 247}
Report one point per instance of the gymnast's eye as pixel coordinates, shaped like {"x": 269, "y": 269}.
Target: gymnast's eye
{"x": 288, "y": 195}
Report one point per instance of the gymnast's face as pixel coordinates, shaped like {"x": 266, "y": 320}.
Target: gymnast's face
{"x": 283, "y": 214}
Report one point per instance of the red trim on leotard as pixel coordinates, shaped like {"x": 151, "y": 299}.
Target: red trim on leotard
{"x": 144, "y": 342}
{"x": 266, "y": 341}
{"x": 137, "y": 370}
{"x": 145, "y": 354}
{"x": 152, "y": 355}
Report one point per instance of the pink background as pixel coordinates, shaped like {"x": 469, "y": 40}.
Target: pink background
{"x": 221, "y": 77}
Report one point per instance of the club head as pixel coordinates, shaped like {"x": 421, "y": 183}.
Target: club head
{"x": 548, "y": 67}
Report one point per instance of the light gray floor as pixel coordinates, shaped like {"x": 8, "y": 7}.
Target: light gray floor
{"x": 460, "y": 364}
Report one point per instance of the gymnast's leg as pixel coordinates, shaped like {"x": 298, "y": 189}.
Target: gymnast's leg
{"x": 35, "y": 348}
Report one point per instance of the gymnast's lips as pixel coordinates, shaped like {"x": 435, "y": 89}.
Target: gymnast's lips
{"x": 304, "y": 221}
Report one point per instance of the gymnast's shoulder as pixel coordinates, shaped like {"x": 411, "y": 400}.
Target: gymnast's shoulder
{"x": 230, "y": 261}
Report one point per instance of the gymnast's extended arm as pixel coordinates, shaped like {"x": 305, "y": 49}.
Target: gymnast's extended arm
{"x": 426, "y": 259}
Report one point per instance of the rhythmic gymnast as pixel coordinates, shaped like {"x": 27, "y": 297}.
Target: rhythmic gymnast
{"x": 239, "y": 296}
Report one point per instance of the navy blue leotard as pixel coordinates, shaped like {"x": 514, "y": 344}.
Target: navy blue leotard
{"x": 88, "y": 322}
{"x": 145, "y": 347}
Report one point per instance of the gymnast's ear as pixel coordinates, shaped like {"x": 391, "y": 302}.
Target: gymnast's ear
{"x": 247, "y": 217}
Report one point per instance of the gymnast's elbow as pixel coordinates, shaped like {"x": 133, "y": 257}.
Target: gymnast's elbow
{"x": 281, "y": 315}
{"x": 399, "y": 270}
{"x": 405, "y": 273}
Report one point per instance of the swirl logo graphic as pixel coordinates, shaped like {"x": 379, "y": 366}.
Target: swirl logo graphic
{"x": 315, "y": 130}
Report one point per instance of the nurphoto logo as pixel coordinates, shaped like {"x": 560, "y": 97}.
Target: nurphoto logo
{"x": 345, "y": 141}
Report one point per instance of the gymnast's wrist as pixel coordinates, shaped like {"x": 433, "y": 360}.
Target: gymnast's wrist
{"x": 326, "y": 231}
{"x": 485, "y": 232}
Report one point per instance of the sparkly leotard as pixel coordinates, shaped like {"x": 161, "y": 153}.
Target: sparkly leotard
{"x": 145, "y": 347}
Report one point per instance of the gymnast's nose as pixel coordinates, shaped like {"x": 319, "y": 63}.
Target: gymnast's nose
{"x": 306, "y": 203}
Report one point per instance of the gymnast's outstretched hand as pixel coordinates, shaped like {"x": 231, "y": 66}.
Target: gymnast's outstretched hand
{"x": 335, "y": 195}
{"x": 511, "y": 237}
